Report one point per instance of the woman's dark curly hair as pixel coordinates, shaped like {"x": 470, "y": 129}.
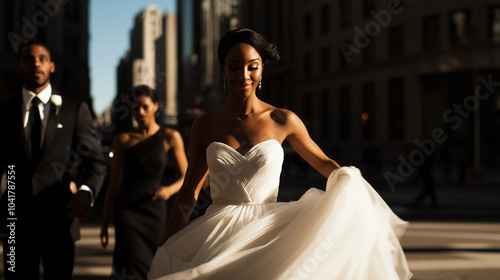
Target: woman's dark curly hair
{"x": 144, "y": 90}
{"x": 266, "y": 50}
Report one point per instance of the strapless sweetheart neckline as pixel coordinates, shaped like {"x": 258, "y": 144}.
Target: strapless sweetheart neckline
{"x": 249, "y": 150}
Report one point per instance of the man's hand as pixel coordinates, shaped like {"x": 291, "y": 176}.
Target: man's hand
{"x": 80, "y": 205}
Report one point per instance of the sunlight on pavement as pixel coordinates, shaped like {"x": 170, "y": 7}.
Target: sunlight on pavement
{"x": 434, "y": 250}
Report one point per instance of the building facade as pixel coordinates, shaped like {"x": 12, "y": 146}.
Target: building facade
{"x": 201, "y": 25}
{"x": 395, "y": 79}
{"x": 166, "y": 72}
{"x": 150, "y": 60}
{"x": 64, "y": 27}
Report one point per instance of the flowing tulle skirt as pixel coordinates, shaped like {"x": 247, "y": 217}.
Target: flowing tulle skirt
{"x": 347, "y": 232}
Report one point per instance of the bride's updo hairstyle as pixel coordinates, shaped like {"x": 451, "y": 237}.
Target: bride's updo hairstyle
{"x": 266, "y": 50}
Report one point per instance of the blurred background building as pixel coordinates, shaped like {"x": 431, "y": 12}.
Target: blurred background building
{"x": 151, "y": 60}
{"x": 372, "y": 79}
{"x": 376, "y": 75}
{"x": 167, "y": 68}
{"x": 63, "y": 26}
{"x": 201, "y": 25}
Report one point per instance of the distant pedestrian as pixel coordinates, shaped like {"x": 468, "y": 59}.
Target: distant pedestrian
{"x": 427, "y": 175}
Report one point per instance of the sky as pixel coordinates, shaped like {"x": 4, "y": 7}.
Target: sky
{"x": 110, "y": 22}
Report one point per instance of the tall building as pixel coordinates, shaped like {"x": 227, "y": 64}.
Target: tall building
{"x": 397, "y": 77}
{"x": 201, "y": 24}
{"x": 149, "y": 61}
{"x": 63, "y": 26}
{"x": 166, "y": 71}
{"x": 147, "y": 29}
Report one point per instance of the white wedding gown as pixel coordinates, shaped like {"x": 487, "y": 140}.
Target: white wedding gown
{"x": 347, "y": 232}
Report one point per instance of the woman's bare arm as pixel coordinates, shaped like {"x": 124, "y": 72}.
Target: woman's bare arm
{"x": 113, "y": 186}
{"x": 195, "y": 176}
{"x": 176, "y": 150}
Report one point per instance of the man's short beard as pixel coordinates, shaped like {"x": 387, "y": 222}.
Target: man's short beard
{"x": 37, "y": 85}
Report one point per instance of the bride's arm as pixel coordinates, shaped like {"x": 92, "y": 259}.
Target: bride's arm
{"x": 301, "y": 142}
{"x": 195, "y": 176}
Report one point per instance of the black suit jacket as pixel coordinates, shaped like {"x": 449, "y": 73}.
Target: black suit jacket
{"x": 39, "y": 192}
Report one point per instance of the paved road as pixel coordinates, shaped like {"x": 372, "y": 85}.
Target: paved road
{"x": 435, "y": 250}
{"x": 459, "y": 240}
{"x": 453, "y": 251}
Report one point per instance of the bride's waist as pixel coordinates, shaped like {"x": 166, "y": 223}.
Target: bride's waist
{"x": 245, "y": 203}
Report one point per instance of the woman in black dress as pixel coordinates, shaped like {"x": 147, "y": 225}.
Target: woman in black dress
{"x": 134, "y": 194}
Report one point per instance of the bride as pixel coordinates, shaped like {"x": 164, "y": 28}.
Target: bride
{"x": 346, "y": 232}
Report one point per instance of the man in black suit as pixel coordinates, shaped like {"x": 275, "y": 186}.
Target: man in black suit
{"x": 45, "y": 138}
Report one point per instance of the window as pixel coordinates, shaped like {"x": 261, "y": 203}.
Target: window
{"x": 460, "y": 28}
{"x": 325, "y": 60}
{"x": 325, "y": 19}
{"x": 369, "y": 51}
{"x": 267, "y": 18}
{"x": 8, "y": 21}
{"x": 66, "y": 79}
{"x": 345, "y": 13}
{"x": 42, "y": 34}
{"x": 399, "y": 4}
{"x": 368, "y": 7}
{"x": 307, "y": 106}
{"x": 71, "y": 44}
{"x": 345, "y": 54}
{"x": 307, "y": 26}
{"x": 325, "y": 114}
{"x": 73, "y": 11}
{"x": 368, "y": 113}
{"x": 307, "y": 64}
{"x": 396, "y": 41}
{"x": 495, "y": 24}
{"x": 431, "y": 33}
{"x": 345, "y": 113}
{"x": 396, "y": 109}
{"x": 282, "y": 25}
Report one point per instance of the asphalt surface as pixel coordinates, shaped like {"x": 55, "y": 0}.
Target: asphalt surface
{"x": 457, "y": 240}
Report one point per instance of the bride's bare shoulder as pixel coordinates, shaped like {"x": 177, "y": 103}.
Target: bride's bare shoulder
{"x": 284, "y": 116}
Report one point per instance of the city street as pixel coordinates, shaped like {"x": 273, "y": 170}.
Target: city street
{"x": 115, "y": 96}
{"x": 453, "y": 251}
{"x": 459, "y": 240}
{"x": 435, "y": 250}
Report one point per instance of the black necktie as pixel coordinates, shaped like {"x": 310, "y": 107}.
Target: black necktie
{"x": 36, "y": 129}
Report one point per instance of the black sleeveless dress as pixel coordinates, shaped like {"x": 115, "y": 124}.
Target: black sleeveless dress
{"x": 139, "y": 222}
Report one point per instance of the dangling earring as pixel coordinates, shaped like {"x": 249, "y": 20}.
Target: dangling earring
{"x": 260, "y": 83}
{"x": 224, "y": 81}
